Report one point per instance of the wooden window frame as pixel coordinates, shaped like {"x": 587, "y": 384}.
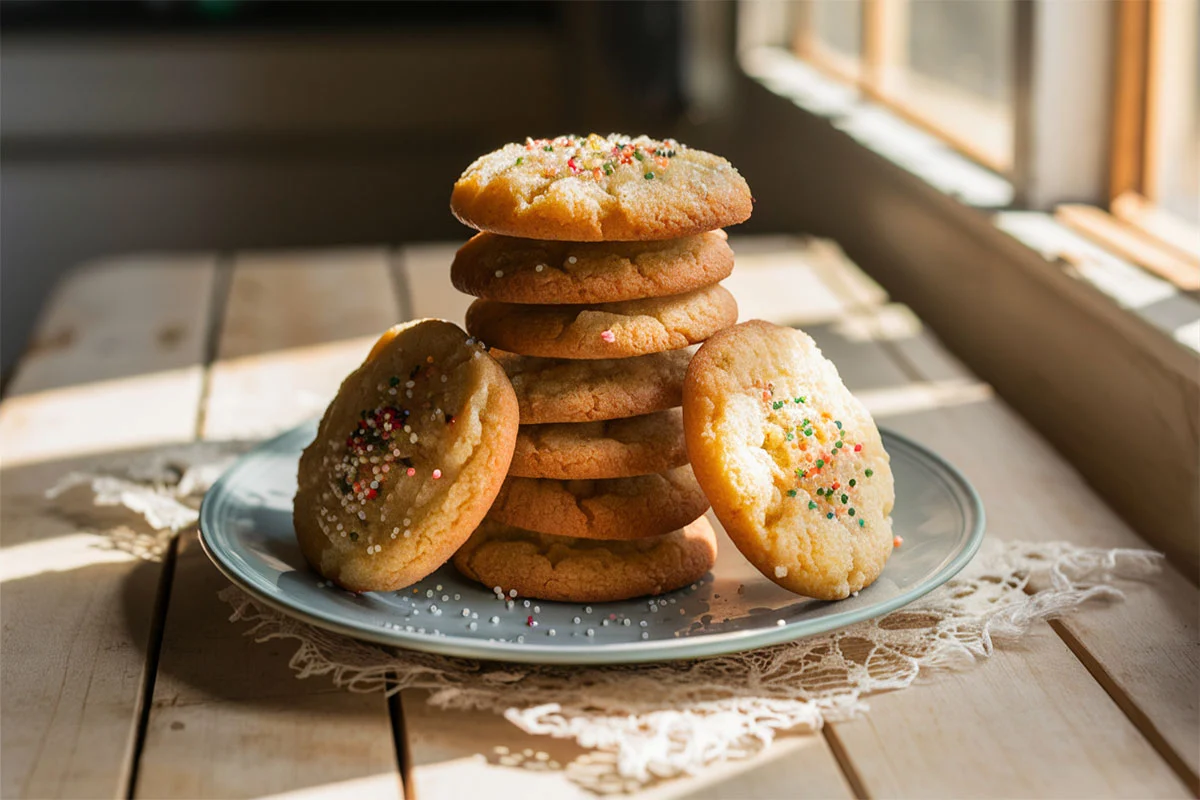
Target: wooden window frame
{"x": 883, "y": 37}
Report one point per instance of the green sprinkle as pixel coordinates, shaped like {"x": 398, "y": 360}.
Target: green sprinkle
{"x": 829, "y": 515}
{"x": 608, "y": 169}
{"x": 808, "y": 432}
{"x": 520, "y": 160}
{"x": 394, "y": 381}
{"x": 845, "y": 498}
{"x": 798, "y": 400}
{"x": 820, "y": 463}
{"x": 852, "y": 512}
{"x": 649, "y": 176}
{"x": 549, "y": 148}
{"x": 791, "y": 492}
{"x": 862, "y": 523}
{"x": 869, "y": 473}
{"x": 354, "y": 536}
{"x": 839, "y": 424}
{"x": 820, "y": 491}
{"x": 790, "y": 436}
{"x": 805, "y": 423}
{"x": 777, "y": 404}
{"x": 638, "y": 155}
{"x": 853, "y": 483}
{"x": 811, "y": 504}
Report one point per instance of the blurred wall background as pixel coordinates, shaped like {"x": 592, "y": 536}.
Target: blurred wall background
{"x": 224, "y": 124}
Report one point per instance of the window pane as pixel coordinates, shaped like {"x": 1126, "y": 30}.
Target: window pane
{"x": 1177, "y": 182}
{"x": 952, "y": 67}
{"x": 836, "y": 35}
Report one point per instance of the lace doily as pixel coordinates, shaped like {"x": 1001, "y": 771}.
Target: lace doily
{"x": 657, "y": 721}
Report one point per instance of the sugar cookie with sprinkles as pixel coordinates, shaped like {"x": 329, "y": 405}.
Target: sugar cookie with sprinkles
{"x": 568, "y": 390}
{"x": 531, "y": 271}
{"x": 407, "y": 458}
{"x": 615, "y": 448}
{"x": 571, "y": 570}
{"x": 791, "y": 460}
{"x": 616, "y": 508}
{"x": 609, "y": 330}
{"x": 600, "y": 188}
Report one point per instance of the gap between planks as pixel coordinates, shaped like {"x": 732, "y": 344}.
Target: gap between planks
{"x": 222, "y": 277}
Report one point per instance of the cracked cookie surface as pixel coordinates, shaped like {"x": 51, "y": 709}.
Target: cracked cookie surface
{"x": 618, "y": 448}
{"x": 568, "y": 569}
{"x": 608, "y": 330}
{"x": 600, "y": 188}
{"x": 615, "y": 508}
{"x": 407, "y": 458}
{"x": 536, "y": 271}
{"x": 791, "y": 460}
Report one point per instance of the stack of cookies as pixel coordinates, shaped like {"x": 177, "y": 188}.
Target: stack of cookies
{"x": 597, "y": 268}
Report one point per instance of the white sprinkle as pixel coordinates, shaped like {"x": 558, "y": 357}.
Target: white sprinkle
{"x": 551, "y": 632}
{"x": 572, "y": 260}
{"x": 429, "y": 592}
{"x": 407, "y": 533}
{"x": 526, "y": 604}
{"x": 591, "y": 632}
{"x": 587, "y": 609}
{"x": 643, "y": 623}
{"x": 445, "y": 598}
{"x": 410, "y": 384}
{"x": 779, "y": 623}
{"x": 473, "y": 626}
{"x": 520, "y": 640}
{"x": 466, "y": 612}
{"x": 445, "y": 378}
{"x": 494, "y": 620}
{"x": 537, "y": 609}
{"x": 539, "y": 268}
{"x": 499, "y": 273}
{"x": 512, "y": 592}
{"x": 413, "y": 438}
{"x": 645, "y": 635}
{"x": 438, "y": 587}
{"x": 626, "y": 622}
{"x": 781, "y": 572}
{"x": 577, "y": 620}
{"x": 433, "y": 609}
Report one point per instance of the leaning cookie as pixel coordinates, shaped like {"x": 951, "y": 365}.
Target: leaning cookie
{"x": 792, "y": 462}
{"x": 547, "y": 567}
{"x": 610, "y": 330}
{"x": 600, "y": 188}
{"x": 407, "y": 458}
{"x": 568, "y": 390}
{"x": 536, "y": 271}
{"x": 617, "y": 508}
{"x": 615, "y": 448}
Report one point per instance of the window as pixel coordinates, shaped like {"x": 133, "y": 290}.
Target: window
{"x": 946, "y": 66}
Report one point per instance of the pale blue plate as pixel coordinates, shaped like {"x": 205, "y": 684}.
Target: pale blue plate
{"x": 246, "y": 529}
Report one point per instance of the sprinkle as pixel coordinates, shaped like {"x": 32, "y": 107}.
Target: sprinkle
{"x": 869, "y": 473}
{"x": 649, "y": 176}
{"x": 473, "y": 626}
{"x": 529, "y": 621}
{"x": 897, "y": 541}
{"x": 800, "y": 399}
{"x": 520, "y": 159}
{"x": 839, "y": 424}
{"x": 354, "y": 536}
{"x": 539, "y": 268}
{"x": 781, "y": 572}
{"x": 413, "y": 438}
{"x": 437, "y": 473}
{"x": 410, "y": 472}
{"x": 852, "y": 511}
{"x": 791, "y": 493}
{"x": 394, "y": 381}
{"x": 820, "y": 463}
{"x": 591, "y": 632}
{"x": 862, "y": 523}
{"x": 494, "y": 620}
{"x": 512, "y": 592}
{"x": 858, "y": 448}
{"x": 853, "y": 483}
{"x": 829, "y": 515}
{"x": 608, "y": 336}
{"x": 779, "y": 623}
{"x": 499, "y": 273}
{"x": 811, "y": 505}
{"x": 845, "y": 498}
{"x": 820, "y": 491}
{"x": 572, "y": 259}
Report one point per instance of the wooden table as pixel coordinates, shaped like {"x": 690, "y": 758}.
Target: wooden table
{"x": 122, "y": 676}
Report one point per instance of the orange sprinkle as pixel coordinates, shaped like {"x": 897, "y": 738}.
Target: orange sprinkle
{"x": 897, "y": 541}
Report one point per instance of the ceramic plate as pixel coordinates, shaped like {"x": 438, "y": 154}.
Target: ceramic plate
{"x": 246, "y": 529}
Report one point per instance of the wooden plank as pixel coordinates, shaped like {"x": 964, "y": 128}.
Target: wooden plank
{"x": 1143, "y": 651}
{"x": 116, "y": 366}
{"x": 1158, "y": 224}
{"x": 229, "y": 718}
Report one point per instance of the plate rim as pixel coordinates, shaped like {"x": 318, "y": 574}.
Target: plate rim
{"x": 658, "y": 650}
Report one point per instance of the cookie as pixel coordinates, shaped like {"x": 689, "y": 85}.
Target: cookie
{"x": 611, "y": 330}
{"x": 617, "y": 448}
{"x": 534, "y": 271}
{"x": 600, "y": 188}
{"x": 407, "y": 458}
{"x": 618, "y": 508}
{"x": 792, "y": 462}
{"x": 565, "y": 390}
{"x": 543, "y": 566}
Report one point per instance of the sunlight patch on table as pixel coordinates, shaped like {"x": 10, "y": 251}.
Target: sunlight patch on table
{"x": 59, "y": 554}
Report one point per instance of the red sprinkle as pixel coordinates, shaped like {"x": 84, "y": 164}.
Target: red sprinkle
{"x": 437, "y": 473}
{"x": 410, "y": 472}
{"x": 897, "y": 541}
{"x": 858, "y": 448}
{"x": 608, "y": 336}
{"x": 529, "y": 621}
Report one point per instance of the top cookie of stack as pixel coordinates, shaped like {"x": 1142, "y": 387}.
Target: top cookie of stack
{"x": 594, "y": 249}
